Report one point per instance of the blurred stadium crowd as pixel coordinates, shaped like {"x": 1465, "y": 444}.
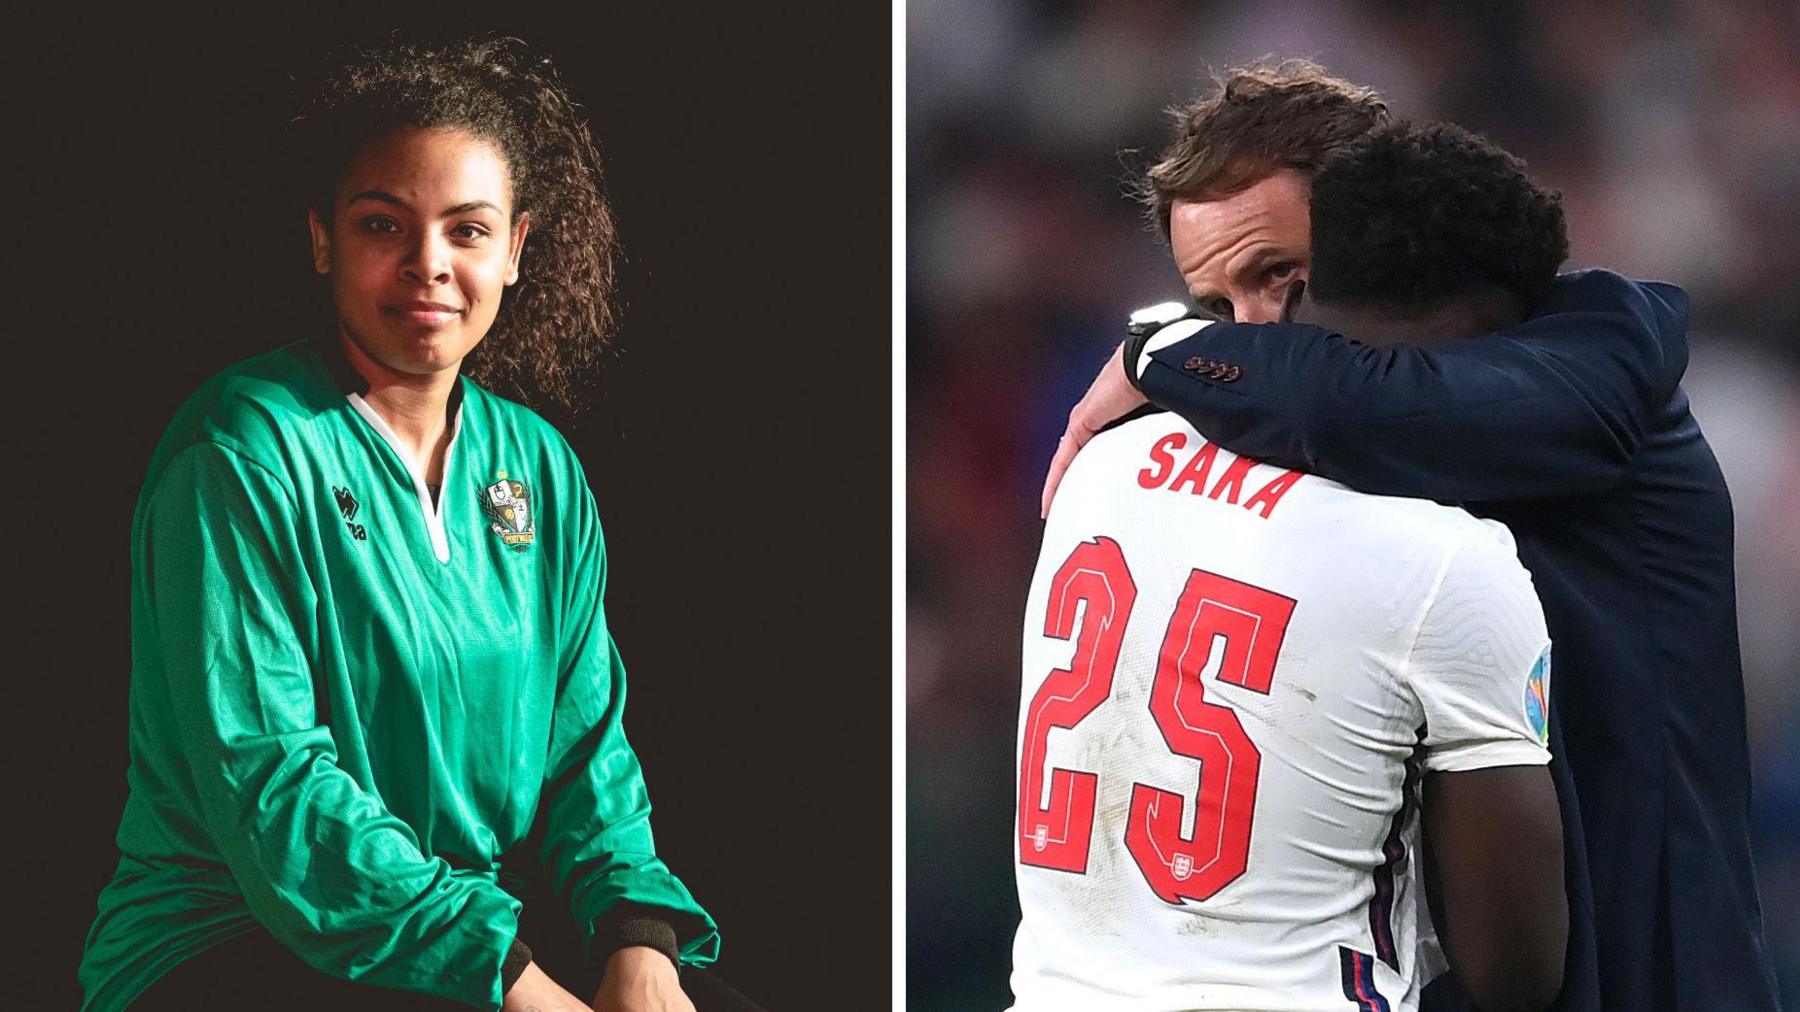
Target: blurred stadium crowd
{"x": 1672, "y": 129}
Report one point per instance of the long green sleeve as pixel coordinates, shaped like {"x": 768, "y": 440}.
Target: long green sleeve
{"x": 597, "y": 846}
{"x": 321, "y": 862}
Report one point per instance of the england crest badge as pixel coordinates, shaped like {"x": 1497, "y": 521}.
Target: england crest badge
{"x": 507, "y": 504}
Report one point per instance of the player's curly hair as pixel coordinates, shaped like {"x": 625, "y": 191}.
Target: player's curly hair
{"x": 557, "y": 319}
{"x": 1260, "y": 118}
{"x": 1417, "y": 213}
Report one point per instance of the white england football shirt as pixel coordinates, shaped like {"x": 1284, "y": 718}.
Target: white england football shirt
{"x": 1233, "y": 677}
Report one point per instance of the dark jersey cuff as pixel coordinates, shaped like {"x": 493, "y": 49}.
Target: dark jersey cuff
{"x": 629, "y": 924}
{"x": 517, "y": 959}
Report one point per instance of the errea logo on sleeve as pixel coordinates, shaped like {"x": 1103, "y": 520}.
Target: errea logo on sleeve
{"x": 507, "y": 503}
{"x": 348, "y": 506}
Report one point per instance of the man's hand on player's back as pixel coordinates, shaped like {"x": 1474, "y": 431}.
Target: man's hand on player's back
{"x": 1111, "y": 397}
{"x": 1495, "y": 838}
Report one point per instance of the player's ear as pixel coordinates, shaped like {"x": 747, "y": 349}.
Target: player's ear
{"x": 517, "y": 246}
{"x": 321, "y": 242}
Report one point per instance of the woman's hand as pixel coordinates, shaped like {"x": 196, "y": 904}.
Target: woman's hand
{"x": 640, "y": 979}
{"x": 534, "y": 991}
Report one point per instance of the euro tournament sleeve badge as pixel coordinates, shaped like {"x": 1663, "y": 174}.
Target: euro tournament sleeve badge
{"x": 1537, "y": 697}
{"x": 507, "y": 504}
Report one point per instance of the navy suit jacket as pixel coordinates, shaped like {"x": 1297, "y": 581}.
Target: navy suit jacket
{"x": 1570, "y": 428}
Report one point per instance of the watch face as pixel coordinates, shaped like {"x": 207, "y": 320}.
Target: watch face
{"x": 1153, "y": 317}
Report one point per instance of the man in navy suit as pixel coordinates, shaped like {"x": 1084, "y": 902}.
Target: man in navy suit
{"x": 1572, "y": 429}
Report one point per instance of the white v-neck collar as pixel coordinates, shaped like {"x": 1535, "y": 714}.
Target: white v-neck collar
{"x": 433, "y": 511}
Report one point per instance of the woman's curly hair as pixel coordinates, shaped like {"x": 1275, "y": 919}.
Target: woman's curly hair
{"x": 554, "y": 323}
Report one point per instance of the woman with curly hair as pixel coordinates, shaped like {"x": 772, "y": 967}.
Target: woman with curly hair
{"x": 374, "y": 697}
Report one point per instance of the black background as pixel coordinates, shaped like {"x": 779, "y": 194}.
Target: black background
{"x": 742, "y": 469}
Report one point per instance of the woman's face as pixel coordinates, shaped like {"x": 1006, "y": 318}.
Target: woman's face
{"x": 420, "y": 246}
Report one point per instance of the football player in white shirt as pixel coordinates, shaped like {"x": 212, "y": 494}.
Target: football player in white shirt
{"x": 1239, "y": 682}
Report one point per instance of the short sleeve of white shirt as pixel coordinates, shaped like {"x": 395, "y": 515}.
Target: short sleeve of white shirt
{"x": 1480, "y": 663}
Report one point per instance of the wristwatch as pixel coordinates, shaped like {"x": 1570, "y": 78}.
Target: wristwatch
{"x": 1144, "y": 325}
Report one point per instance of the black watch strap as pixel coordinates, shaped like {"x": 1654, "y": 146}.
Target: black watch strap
{"x": 1130, "y": 352}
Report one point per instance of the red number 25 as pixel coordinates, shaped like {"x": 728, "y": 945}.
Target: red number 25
{"x": 1252, "y": 623}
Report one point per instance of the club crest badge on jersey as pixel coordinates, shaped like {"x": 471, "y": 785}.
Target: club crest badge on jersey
{"x": 1537, "y": 697}
{"x": 507, "y": 504}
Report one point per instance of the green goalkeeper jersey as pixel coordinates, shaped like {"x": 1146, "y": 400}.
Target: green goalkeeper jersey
{"x": 348, "y": 699}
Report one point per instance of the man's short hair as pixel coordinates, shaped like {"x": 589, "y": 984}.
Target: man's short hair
{"x": 1261, "y": 119}
{"x": 1413, "y": 215}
